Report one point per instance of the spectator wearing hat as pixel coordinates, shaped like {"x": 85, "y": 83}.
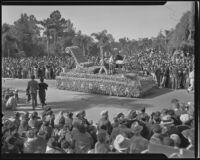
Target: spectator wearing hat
{"x": 78, "y": 118}
{"x": 60, "y": 119}
{"x": 175, "y": 118}
{"x": 42, "y": 91}
{"x": 65, "y": 134}
{"x": 176, "y": 139}
{"x": 115, "y": 122}
{"x": 191, "y": 80}
{"x": 50, "y": 117}
{"x": 46, "y": 110}
{"x": 84, "y": 120}
{"x": 40, "y": 142}
{"x": 24, "y": 127}
{"x": 121, "y": 129}
{"x": 121, "y": 144}
{"x": 143, "y": 115}
{"x": 52, "y": 146}
{"x": 138, "y": 143}
{"x": 32, "y": 88}
{"x": 101, "y": 146}
{"x": 46, "y": 129}
{"x": 30, "y": 143}
{"x": 104, "y": 120}
{"x": 17, "y": 120}
{"x": 189, "y": 134}
{"x": 34, "y": 122}
{"x": 69, "y": 119}
{"x": 131, "y": 117}
{"x": 12, "y": 102}
{"x": 155, "y": 118}
{"x": 185, "y": 119}
{"x": 157, "y": 136}
{"x": 83, "y": 140}
{"x": 10, "y": 145}
{"x": 168, "y": 126}
{"x": 66, "y": 147}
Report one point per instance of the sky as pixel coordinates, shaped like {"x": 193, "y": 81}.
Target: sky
{"x": 129, "y": 21}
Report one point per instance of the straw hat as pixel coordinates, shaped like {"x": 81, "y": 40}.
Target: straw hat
{"x": 167, "y": 120}
{"x": 121, "y": 143}
{"x": 105, "y": 112}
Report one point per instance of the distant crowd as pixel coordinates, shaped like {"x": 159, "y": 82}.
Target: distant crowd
{"x": 74, "y": 133}
{"x": 169, "y": 71}
{"x": 47, "y": 67}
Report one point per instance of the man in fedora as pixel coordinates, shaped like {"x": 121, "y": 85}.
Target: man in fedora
{"x": 138, "y": 143}
{"x": 104, "y": 121}
{"x": 33, "y": 87}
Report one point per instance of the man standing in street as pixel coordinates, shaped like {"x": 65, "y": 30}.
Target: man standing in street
{"x": 32, "y": 88}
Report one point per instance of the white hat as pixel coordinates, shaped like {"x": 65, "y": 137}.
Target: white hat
{"x": 184, "y": 118}
{"x": 121, "y": 143}
{"x": 104, "y": 112}
{"x": 167, "y": 120}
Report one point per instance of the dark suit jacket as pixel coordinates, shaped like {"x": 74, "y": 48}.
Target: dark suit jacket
{"x": 33, "y": 86}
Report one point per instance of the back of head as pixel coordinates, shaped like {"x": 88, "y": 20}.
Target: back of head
{"x": 168, "y": 141}
{"x": 32, "y": 77}
{"x": 41, "y": 79}
{"x": 81, "y": 128}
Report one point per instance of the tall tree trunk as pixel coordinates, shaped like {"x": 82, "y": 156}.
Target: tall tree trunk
{"x": 8, "y": 52}
{"x": 83, "y": 50}
{"x": 48, "y": 45}
{"x": 101, "y": 52}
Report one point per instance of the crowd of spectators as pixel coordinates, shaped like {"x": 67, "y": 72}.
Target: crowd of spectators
{"x": 47, "y": 67}
{"x": 173, "y": 71}
{"x": 169, "y": 71}
{"x": 74, "y": 133}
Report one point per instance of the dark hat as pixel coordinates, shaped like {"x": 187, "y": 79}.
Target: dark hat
{"x": 17, "y": 114}
{"x": 69, "y": 113}
{"x": 143, "y": 109}
{"x": 119, "y": 115}
{"x": 35, "y": 115}
{"x": 47, "y": 108}
{"x": 10, "y": 139}
{"x": 52, "y": 143}
{"x": 32, "y": 77}
{"x": 157, "y": 128}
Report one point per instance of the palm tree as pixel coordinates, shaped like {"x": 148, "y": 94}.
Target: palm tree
{"x": 104, "y": 40}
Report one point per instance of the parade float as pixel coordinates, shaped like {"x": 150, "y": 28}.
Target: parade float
{"x": 86, "y": 77}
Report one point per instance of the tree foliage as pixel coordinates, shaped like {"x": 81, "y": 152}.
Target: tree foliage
{"x": 58, "y": 33}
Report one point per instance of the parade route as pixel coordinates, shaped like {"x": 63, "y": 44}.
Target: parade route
{"x": 93, "y": 104}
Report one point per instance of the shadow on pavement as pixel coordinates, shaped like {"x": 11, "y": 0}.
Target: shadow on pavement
{"x": 157, "y": 92}
{"x": 94, "y": 101}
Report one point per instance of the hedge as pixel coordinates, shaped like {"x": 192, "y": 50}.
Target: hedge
{"x": 102, "y": 86}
